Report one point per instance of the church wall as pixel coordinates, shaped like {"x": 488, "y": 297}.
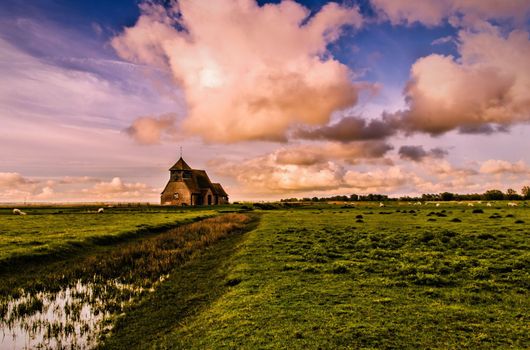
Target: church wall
{"x": 184, "y": 194}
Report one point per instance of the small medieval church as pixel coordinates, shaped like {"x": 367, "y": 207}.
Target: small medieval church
{"x": 187, "y": 186}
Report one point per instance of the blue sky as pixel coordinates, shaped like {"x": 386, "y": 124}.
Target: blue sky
{"x": 84, "y": 102}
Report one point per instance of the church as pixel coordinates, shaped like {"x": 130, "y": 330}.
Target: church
{"x": 187, "y": 186}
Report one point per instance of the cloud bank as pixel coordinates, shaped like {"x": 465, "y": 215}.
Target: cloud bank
{"x": 270, "y": 70}
{"x": 485, "y": 90}
{"x": 434, "y": 12}
{"x": 350, "y": 128}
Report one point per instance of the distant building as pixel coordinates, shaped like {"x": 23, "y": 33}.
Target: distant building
{"x": 187, "y": 186}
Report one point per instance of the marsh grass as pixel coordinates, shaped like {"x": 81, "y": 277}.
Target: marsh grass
{"x": 75, "y": 305}
{"x": 48, "y": 234}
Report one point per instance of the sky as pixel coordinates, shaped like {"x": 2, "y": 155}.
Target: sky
{"x": 273, "y": 99}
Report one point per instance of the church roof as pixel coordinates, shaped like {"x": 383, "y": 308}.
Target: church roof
{"x": 219, "y": 190}
{"x": 180, "y": 165}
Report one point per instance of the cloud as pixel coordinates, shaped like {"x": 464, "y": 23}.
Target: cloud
{"x": 350, "y": 153}
{"x": 150, "y": 130}
{"x": 442, "y": 169}
{"x": 15, "y": 186}
{"x": 266, "y": 174}
{"x": 300, "y": 168}
{"x": 495, "y": 166}
{"x": 117, "y": 188}
{"x": 378, "y": 180}
{"x": 269, "y": 70}
{"x": 14, "y": 180}
{"x": 485, "y": 90}
{"x": 46, "y": 193}
{"x": 351, "y": 128}
{"x": 442, "y": 40}
{"x": 68, "y": 180}
{"x": 434, "y": 12}
{"x": 418, "y": 153}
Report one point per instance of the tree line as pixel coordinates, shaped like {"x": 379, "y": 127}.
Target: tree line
{"x": 490, "y": 195}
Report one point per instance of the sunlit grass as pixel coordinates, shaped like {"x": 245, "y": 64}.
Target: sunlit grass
{"x": 320, "y": 279}
{"x": 49, "y": 231}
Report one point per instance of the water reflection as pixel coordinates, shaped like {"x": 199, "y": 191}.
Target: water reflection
{"x": 75, "y": 317}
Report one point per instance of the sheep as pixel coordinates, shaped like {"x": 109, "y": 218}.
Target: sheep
{"x": 381, "y": 205}
{"x": 437, "y": 204}
{"x": 100, "y": 210}
{"x": 488, "y": 204}
{"x": 417, "y": 203}
{"x": 470, "y": 204}
{"x": 512, "y": 204}
{"x": 18, "y": 212}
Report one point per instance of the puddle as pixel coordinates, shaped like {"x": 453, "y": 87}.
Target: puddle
{"x": 75, "y": 317}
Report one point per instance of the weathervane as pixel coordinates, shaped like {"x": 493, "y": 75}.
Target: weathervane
{"x": 180, "y": 151}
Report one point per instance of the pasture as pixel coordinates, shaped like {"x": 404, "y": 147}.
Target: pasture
{"x": 50, "y": 231}
{"x": 321, "y": 276}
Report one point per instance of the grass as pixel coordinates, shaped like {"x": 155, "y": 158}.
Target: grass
{"x": 310, "y": 278}
{"x": 47, "y": 232}
{"x": 106, "y": 281}
{"x": 326, "y": 276}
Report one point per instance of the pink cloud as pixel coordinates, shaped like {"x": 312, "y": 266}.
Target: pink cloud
{"x": 150, "y": 130}
{"x": 488, "y": 84}
{"x": 496, "y": 166}
{"x": 271, "y": 69}
{"x": 434, "y": 12}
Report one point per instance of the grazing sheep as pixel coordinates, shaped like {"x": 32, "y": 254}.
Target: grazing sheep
{"x": 437, "y": 204}
{"x": 488, "y": 204}
{"x": 512, "y": 204}
{"x": 381, "y": 205}
{"x": 417, "y": 203}
{"x": 100, "y": 210}
{"x": 18, "y": 212}
{"x": 470, "y": 204}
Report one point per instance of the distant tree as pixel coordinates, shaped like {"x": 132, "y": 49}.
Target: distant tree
{"x": 512, "y": 194}
{"x": 526, "y": 192}
{"x": 354, "y": 197}
{"x": 447, "y": 196}
{"x": 314, "y": 199}
{"x": 493, "y": 195}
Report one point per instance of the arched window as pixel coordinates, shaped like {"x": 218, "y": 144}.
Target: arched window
{"x": 176, "y": 195}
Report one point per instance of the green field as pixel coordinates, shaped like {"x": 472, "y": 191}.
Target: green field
{"x": 347, "y": 277}
{"x": 48, "y": 231}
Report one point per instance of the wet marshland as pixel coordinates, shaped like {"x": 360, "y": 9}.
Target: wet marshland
{"x": 75, "y": 307}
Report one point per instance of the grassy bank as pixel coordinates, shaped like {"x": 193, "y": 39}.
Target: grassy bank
{"x": 189, "y": 289}
{"x": 103, "y": 283}
{"x": 364, "y": 277}
{"x": 53, "y": 233}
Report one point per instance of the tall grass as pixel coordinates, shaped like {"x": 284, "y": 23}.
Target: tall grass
{"x": 105, "y": 283}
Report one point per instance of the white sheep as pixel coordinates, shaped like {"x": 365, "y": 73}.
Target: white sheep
{"x": 470, "y": 204}
{"x": 512, "y": 204}
{"x": 381, "y": 205}
{"x": 18, "y": 212}
{"x": 100, "y": 210}
{"x": 488, "y": 204}
{"x": 437, "y": 204}
{"x": 417, "y": 203}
